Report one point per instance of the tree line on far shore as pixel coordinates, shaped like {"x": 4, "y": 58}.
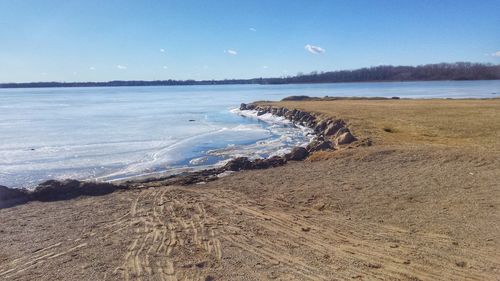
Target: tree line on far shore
{"x": 384, "y": 73}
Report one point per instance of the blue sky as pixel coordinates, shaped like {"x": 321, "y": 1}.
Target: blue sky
{"x": 91, "y": 40}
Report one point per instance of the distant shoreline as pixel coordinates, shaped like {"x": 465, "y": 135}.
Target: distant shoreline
{"x": 423, "y": 73}
{"x": 200, "y": 83}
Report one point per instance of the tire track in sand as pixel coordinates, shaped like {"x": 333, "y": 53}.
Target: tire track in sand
{"x": 173, "y": 239}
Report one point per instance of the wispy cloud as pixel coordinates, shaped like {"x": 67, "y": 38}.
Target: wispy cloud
{"x": 231, "y": 52}
{"x": 121, "y": 67}
{"x": 265, "y": 67}
{"x": 496, "y": 54}
{"x": 91, "y": 68}
{"x": 165, "y": 67}
{"x": 314, "y": 49}
{"x": 162, "y": 50}
{"x": 252, "y": 29}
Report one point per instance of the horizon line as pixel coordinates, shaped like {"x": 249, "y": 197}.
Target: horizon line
{"x": 265, "y": 80}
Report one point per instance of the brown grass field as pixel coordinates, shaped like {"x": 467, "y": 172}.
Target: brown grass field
{"x": 452, "y": 123}
{"x": 421, "y": 203}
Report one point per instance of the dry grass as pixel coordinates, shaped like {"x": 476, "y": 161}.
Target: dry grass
{"x": 454, "y": 123}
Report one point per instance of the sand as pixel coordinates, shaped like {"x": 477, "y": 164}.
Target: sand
{"x": 421, "y": 203}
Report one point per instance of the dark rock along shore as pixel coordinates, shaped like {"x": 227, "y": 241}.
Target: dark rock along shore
{"x": 330, "y": 134}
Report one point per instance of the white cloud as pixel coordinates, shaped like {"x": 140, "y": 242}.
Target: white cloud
{"x": 162, "y": 50}
{"x": 252, "y": 29}
{"x": 231, "y": 52}
{"x": 265, "y": 67}
{"x": 121, "y": 67}
{"x": 91, "y": 68}
{"x": 496, "y": 54}
{"x": 314, "y": 49}
{"x": 165, "y": 67}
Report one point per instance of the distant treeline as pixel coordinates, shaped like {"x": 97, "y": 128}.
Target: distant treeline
{"x": 428, "y": 72}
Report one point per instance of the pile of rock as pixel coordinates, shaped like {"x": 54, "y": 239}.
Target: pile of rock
{"x": 12, "y": 196}
{"x": 330, "y": 133}
{"x": 53, "y": 190}
{"x": 243, "y": 163}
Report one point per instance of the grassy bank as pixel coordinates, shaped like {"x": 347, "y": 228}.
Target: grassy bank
{"x": 454, "y": 123}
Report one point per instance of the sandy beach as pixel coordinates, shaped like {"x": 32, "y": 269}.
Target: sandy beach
{"x": 420, "y": 203}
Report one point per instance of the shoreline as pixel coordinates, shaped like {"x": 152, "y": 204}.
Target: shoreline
{"x": 418, "y": 204}
{"x": 329, "y": 134}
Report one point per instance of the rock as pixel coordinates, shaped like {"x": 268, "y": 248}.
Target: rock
{"x": 317, "y": 145}
{"x": 321, "y": 126}
{"x": 12, "y": 196}
{"x": 340, "y": 132}
{"x": 280, "y": 112}
{"x": 97, "y": 188}
{"x": 53, "y": 190}
{"x": 274, "y": 161}
{"x": 261, "y": 112}
{"x": 298, "y": 153}
{"x": 242, "y": 163}
{"x": 345, "y": 138}
{"x": 311, "y": 123}
{"x": 244, "y": 106}
{"x": 334, "y": 127}
{"x": 237, "y": 164}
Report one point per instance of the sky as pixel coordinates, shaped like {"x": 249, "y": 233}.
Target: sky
{"x": 95, "y": 40}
